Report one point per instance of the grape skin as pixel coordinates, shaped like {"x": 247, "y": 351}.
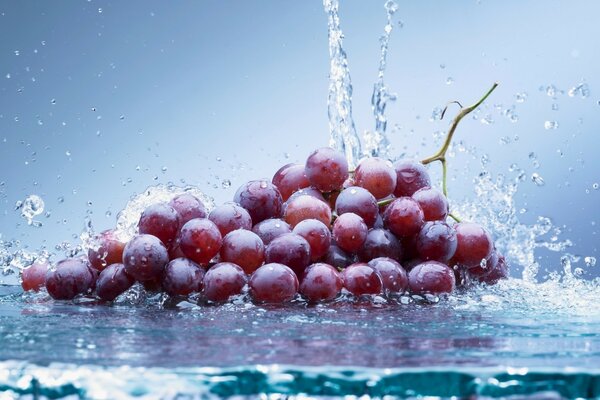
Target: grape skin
{"x": 270, "y": 229}
{"x": 243, "y": 248}
{"x": 229, "y": 217}
{"x": 145, "y": 257}
{"x": 404, "y": 217}
{"x": 410, "y": 176}
{"x": 181, "y": 277}
{"x": 70, "y": 278}
{"x": 474, "y": 244}
{"x": 359, "y": 201}
{"x": 187, "y": 207}
{"x": 326, "y": 169}
{"x": 377, "y": 176}
{"x": 261, "y": 199}
{"x": 200, "y": 240}
{"x": 162, "y": 221}
{"x": 317, "y": 235}
{"x": 436, "y": 241}
{"x": 361, "y": 278}
{"x": 108, "y": 249}
{"x": 431, "y": 277}
{"x": 380, "y": 243}
{"x": 273, "y": 283}
{"x": 350, "y": 232}
{"x": 337, "y": 257}
{"x": 307, "y": 207}
{"x": 34, "y": 277}
{"x": 393, "y": 276}
{"x": 224, "y": 280}
{"x": 112, "y": 282}
{"x": 321, "y": 282}
{"x": 289, "y": 179}
{"x": 291, "y": 250}
{"x": 433, "y": 203}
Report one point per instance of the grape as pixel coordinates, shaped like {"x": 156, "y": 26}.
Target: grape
{"x": 289, "y": 179}
{"x": 326, "y": 169}
{"x": 431, "y": 277}
{"x": 393, "y": 276}
{"x": 71, "y": 277}
{"x": 337, "y": 257}
{"x": 410, "y": 177}
{"x": 410, "y": 264}
{"x": 270, "y": 229}
{"x": 433, "y": 203}
{"x": 243, "y": 248}
{"x": 145, "y": 257}
{"x": 162, "y": 221}
{"x": 108, "y": 249}
{"x": 307, "y": 207}
{"x": 403, "y": 217}
{"x": 360, "y": 278}
{"x": 261, "y": 199}
{"x": 436, "y": 241}
{"x": 200, "y": 240}
{"x": 113, "y": 281}
{"x": 359, "y": 201}
{"x": 224, "y": 280}
{"x": 321, "y": 282}
{"x": 317, "y": 235}
{"x": 182, "y": 277}
{"x": 273, "y": 283}
{"x": 377, "y": 176}
{"x": 474, "y": 244}
{"x": 187, "y": 207}
{"x": 291, "y": 250}
{"x": 350, "y": 232}
{"x": 484, "y": 267}
{"x": 380, "y": 243}
{"x": 229, "y": 217}
{"x": 499, "y": 270}
{"x": 309, "y": 191}
{"x": 34, "y": 276}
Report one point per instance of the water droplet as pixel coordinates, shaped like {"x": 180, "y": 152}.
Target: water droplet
{"x": 436, "y": 114}
{"x": 122, "y": 117}
{"x": 53, "y": 101}
{"x": 589, "y": 261}
{"x": 555, "y": 107}
{"x": 219, "y": 159}
{"x": 442, "y": 66}
{"x": 163, "y": 169}
{"x": 551, "y": 91}
{"x": 550, "y": 125}
{"x": 68, "y": 153}
{"x": 521, "y": 97}
{"x": 8, "y": 77}
{"x": 33, "y": 205}
{"x": 100, "y": 10}
{"x": 537, "y": 179}
{"x": 108, "y": 214}
{"x": 595, "y": 186}
{"x": 487, "y": 119}
{"x": 582, "y": 90}
{"x": 17, "y": 53}
{"x": 226, "y": 183}
{"x": 449, "y": 80}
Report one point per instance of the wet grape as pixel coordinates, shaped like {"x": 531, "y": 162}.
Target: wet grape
{"x": 200, "y": 240}
{"x": 380, "y": 243}
{"x": 433, "y": 203}
{"x": 261, "y": 199}
{"x": 113, "y": 281}
{"x": 317, "y": 235}
{"x": 350, "y": 232}
{"x": 229, "y": 217}
{"x": 160, "y": 220}
{"x": 410, "y": 177}
{"x": 107, "y": 250}
{"x": 273, "y": 283}
{"x": 431, "y": 277}
{"x": 289, "y": 179}
{"x": 224, "y": 280}
{"x": 187, "y": 207}
{"x": 243, "y": 248}
{"x": 291, "y": 250}
{"x": 474, "y": 244}
{"x": 403, "y": 217}
{"x": 337, "y": 257}
{"x": 326, "y": 169}
{"x": 436, "y": 241}
{"x": 34, "y": 276}
{"x": 359, "y": 201}
{"x": 307, "y": 207}
{"x": 321, "y": 282}
{"x": 360, "y": 279}
{"x": 393, "y": 276}
{"x": 377, "y": 176}
{"x": 181, "y": 277}
{"x": 70, "y": 277}
{"x": 270, "y": 229}
{"x": 145, "y": 257}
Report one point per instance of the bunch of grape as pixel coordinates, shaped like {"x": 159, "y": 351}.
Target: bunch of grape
{"x": 315, "y": 229}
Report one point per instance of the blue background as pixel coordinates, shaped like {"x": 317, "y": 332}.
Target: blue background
{"x": 230, "y": 90}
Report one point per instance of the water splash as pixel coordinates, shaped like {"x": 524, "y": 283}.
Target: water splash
{"x": 377, "y": 142}
{"x": 343, "y": 136}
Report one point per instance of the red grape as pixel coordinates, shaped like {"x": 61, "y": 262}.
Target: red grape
{"x": 350, "y": 232}
{"x": 317, "y": 235}
{"x": 261, "y": 199}
{"x": 436, "y": 241}
{"x": 433, "y": 203}
{"x": 224, "y": 280}
{"x": 34, "y": 276}
{"x": 499, "y": 270}
{"x": 107, "y": 249}
{"x": 291, "y": 250}
{"x": 70, "y": 278}
{"x": 182, "y": 277}
{"x": 273, "y": 283}
{"x": 243, "y": 248}
{"x": 410, "y": 177}
{"x": 431, "y": 277}
{"x": 360, "y": 278}
{"x": 112, "y": 282}
{"x": 200, "y": 240}
{"x": 380, "y": 243}
{"x": 289, "y": 179}
{"x": 145, "y": 257}
{"x": 337, "y": 257}
{"x": 393, "y": 276}
{"x": 307, "y": 207}
{"x": 403, "y": 217}
{"x": 188, "y": 207}
{"x": 160, "y": 220}
{"x": 309, "y": 191}
{"x": 377, "y": 176}
{"x": 229, "y": 217}
{"x": 270, "y": 229}
{"x": 321, "y": 282}
{"x": 326, "y": 169}
{"x": 474, "y": 244}
{"x": 359, "y": 201}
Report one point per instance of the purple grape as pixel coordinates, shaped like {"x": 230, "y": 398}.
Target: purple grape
{"x": 70, "y": 278}
{"x": 410, "y": 177}
{"x": 474, "y": 244}
{"x": 431, "y": 277}
{"x": 291, "y": 250}
{"x": 321, "y": 282}
{"x": 289, "y": 179}
{"x": 181, "y": 277}
{"x": 393, "y": 276}
{"x": 261, "y": 199}
{"x": 229, "y": 217}
{"x": 112, "y": 282}
{"x": 433, "y": 203}
{"x": 436, "y": 241}
{"x": 224, "y": 280}
{"x": 187, "y": 207}
{"x": 243, "y": 248}
{"x": 273, "y": 283}
{"x": 307, "y": 207}
{"x": 200, "y": 240}
{"x": 377, "y": 176}
{"x": 270, "y": 229}
{"x": 350, "y": 232}
{"x": 359, "y": 201}
{"x": 361, "y": 278}
{"x": 108, "y": 250}
{"x": 403, "y": 217}
{"x": 380, "y": 243}
{"x": 145, "y": 257}
{"x": 160, "y": 220}
{"x": 34, "y": 276}
{"x": 326, "y": 169}
{"x": 317, "y": 235}
{"x": 337, "y": 257}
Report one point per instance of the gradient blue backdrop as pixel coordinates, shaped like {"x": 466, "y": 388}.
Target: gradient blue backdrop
{"x": 230, "y": 90}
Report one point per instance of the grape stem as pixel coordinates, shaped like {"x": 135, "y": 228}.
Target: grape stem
{"x": 441, "y": 154}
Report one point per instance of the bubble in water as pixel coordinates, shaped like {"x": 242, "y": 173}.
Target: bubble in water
{"x": 521, "y": 97}
{"x": 550, "y": 125}
{"x": 32, "y": 206}
{"x": 537, "y": 179}
{"x": 589, "y": 261}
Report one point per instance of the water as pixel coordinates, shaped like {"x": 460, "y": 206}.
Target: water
{"x": 531, "y": 335}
